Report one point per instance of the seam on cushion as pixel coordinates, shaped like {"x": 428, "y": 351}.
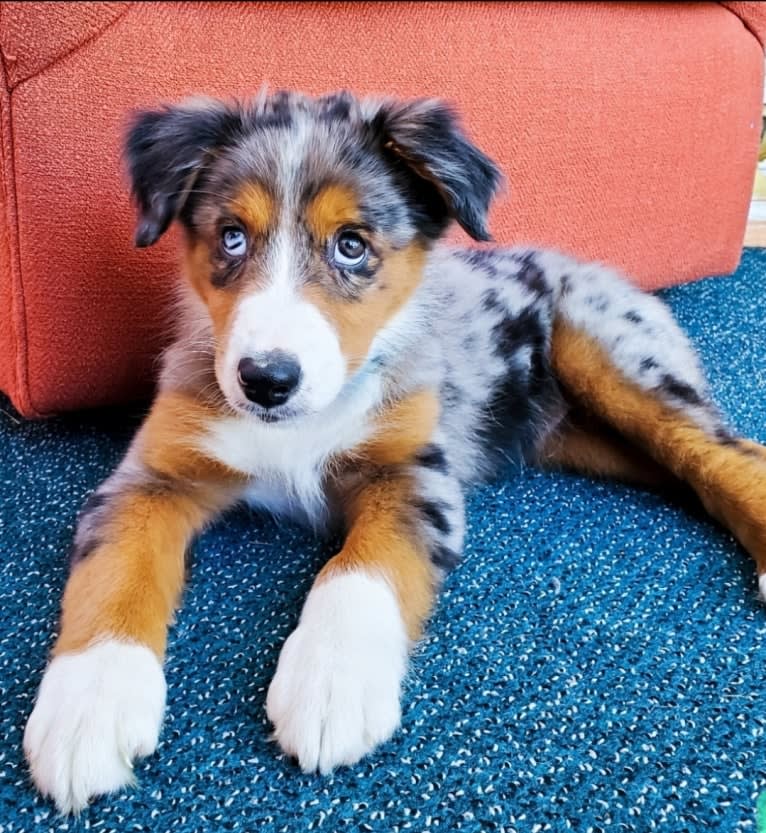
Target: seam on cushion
{"x": 18, "y": 313}
{"x": 7, "y": 280}
{"x": 745, "y": 25}
{"x": 3, "y": 59}
{"x": 76, "y": 48}
{"x": 20, "y": 364}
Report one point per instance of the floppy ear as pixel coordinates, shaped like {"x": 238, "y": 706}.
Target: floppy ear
{"x": 165, "y": 151}
{"x": 426, "y": 136}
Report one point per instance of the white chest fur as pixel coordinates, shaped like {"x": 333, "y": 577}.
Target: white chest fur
{"x": 286, "y": 462}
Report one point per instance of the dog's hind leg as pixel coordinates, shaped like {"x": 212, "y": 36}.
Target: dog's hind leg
{"x": 585, "y": 444}
{"x": 619, "y": 354}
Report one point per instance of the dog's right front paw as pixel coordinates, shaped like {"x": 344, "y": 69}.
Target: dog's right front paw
{"x": 96, "y": 711}
{"x": 335, "y": 695}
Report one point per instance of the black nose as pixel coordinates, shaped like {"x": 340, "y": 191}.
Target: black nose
{"x": 269, "y": 380}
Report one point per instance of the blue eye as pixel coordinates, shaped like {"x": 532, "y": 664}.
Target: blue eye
{"x": 350, "y": 250}
{"x": 234, "y": 241}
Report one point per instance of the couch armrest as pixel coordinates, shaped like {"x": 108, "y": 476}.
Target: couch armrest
{"x": 753, "y": 14}
{"x": 36, "y": 35}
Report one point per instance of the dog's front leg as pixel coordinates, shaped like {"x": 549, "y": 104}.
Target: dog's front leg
{"x": 102, "y": 698}
{"x": 336, "y": 692}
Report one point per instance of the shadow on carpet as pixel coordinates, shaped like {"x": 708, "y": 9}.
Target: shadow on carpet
{"x": 597, "y": 663}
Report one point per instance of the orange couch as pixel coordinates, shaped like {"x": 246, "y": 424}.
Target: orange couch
{"x": 628, "y": 133}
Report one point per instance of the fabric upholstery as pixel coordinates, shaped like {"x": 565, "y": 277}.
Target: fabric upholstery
{"x": 752, "y": 13}
{"x": 628, "y": 132}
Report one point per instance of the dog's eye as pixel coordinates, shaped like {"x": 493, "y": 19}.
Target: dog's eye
{"x": 234, "y": 241}
{"x": 350, "y": 250}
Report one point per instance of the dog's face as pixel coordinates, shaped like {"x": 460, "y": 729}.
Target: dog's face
{"x": 307, "y": 223}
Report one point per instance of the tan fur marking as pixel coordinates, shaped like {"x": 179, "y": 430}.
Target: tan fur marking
{"x": 599, "y": 452}
{"x": 334, "y": 206}
{"x": 220, "y": 301}
{"x": 729, "y": 480}
{"x": 379, "y": 541}
{"x": 379, "y": 544}
{"x": 167, "y": 440}
{"x": 358, "y": 321}
{"x": 255, "y": 207}
{"x": 129, "y": 585}
{"x": 402, "y": 430}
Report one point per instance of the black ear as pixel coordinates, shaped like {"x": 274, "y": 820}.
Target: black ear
{"x": 426, "y": 136}
{"x": 165, "y": 151}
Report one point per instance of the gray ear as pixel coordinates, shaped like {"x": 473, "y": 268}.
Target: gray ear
{"x": 165, "y": 150}
{"x": 426, "y": 136}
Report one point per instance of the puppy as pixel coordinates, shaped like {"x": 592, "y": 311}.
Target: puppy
{"x": 335, "y": 363}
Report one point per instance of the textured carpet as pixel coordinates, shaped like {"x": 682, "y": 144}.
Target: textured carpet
{"x": 598, "y": 662}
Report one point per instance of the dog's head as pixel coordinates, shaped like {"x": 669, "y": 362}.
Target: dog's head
{"x": 306, "y": 226}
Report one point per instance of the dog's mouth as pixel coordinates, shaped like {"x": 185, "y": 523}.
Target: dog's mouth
{"x": 269, "y": 416}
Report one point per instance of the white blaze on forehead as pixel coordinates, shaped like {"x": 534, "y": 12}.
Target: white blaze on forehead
{"x": 276, "y": 316}
{"x": 281, "y": 264}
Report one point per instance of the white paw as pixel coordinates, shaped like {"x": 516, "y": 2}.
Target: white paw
{"x": 336, "y": 692}
{"x": 96, "y": 711}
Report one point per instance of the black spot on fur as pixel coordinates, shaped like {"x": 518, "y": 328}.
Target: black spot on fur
{"x": 599, "y": 302}
{"x": 335, "y": 107}
{"x": 566, "y": 284}
{"x": 633, "y": 317}
{"x": 480, "y": 259}
{"x": 87, "y": 541}
{"x": 156, "y": 484}
{"x": 444, "y": 558}
{"x": 532, "y": 276}
{"x": 725, "y": 437}
{"x": 490, "y": 301}
{"x": 434, "y": 513}
{"x": 450, "y": 394}
{"x": 432, "y": 457}
{"x": 516, "y": 409}
{"x": 647, "y": 364}
{"x": 94, "y": 501}
{"x": 516, "y": 332}
{"x": 276, "y": 112}
{"x": 82, "y": 549}
{"x": 680, "y": 390}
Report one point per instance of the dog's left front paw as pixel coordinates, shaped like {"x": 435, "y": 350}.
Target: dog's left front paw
{"x": 335, "y": 695}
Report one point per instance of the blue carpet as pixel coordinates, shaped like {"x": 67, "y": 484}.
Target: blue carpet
{"x": 598, "y": 663}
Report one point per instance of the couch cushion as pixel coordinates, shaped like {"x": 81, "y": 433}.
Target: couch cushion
{"x": 628, "y": 133}
{"x": 752, "y": 13}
